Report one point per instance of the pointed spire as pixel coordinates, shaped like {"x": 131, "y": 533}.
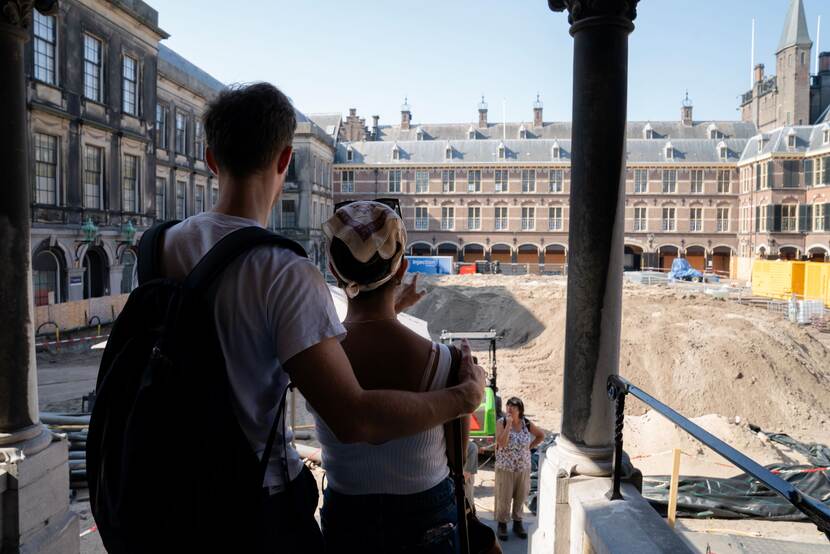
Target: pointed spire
{"x": 795, "y": 28}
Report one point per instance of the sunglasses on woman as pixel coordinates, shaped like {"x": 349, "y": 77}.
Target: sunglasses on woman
{"x": 392, "y": 203}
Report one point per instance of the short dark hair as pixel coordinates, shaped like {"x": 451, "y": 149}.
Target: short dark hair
{"x": 517, "y": 402}
{"x": 247, "y": 126}
{"x": 362, "y": 273}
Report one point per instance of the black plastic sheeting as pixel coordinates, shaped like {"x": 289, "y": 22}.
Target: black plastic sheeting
{"x": 743, "y": 496}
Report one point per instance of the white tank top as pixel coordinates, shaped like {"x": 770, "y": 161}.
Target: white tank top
{"x": 402, "y": 466}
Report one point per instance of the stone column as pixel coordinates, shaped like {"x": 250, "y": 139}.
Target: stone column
{"x": 594, "y": 308}
{"x": 34, "y": 477}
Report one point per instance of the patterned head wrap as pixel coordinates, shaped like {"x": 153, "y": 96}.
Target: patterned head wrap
{"x": 367, "y": 228}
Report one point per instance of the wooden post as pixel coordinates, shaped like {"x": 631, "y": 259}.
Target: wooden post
{"x": 675, "y": 478}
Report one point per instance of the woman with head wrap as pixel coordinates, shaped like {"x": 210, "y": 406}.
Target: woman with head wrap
{"x": 396, "y": 496}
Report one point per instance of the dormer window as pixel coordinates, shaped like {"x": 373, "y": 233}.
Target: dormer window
{"x": 471, "y": 133}
{"x": 669, "y": 151}
{"x": 648, "y": 132}
{"x": 419, "y": 134}
{"x": 448, "y": 152}
{"x": 791, "y": 136}
{"x": 522, "y": 132}
{"x": 760, "y": 143}
{"x": 502, "y": 151}
{"x": 723, "y": 151}
{"x": 714, "y": 132}
{"x": 555, "y": 151}
{"x": 396, "y": 152}
{"x": 349, "y": 154}
{"x": 825, "y": 134}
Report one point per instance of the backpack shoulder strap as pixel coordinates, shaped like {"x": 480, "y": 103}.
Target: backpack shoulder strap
{"x": 229, "y": 248}
{"x": 149, "y": 266}
{"x": 456, "y": 466}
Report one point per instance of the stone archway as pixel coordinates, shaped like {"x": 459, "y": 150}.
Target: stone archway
{"x": 129, "y": 268}
{"x": 48, "y": 282}
{"x": 473, "y": 253}
{"x": 420, "y": 249}
{"x": 96, "y": 273}
{"x": 527, "y": 254}
{"x": 696, "y": 255}
{"x": 501, "y": 253}
{"x": 721, "y": 256}
{"x": 448, "y": 249}
{"x": 788, "y": 253}
{"x": 667, "y": 255}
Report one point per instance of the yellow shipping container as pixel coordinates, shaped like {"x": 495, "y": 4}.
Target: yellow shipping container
{"x": 778, "y": 279}
{"x": 817, "y": 281}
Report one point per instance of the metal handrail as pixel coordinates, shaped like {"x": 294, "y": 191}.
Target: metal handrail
{"x": 618, "y": 388}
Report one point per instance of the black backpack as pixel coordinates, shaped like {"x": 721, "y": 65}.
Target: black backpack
{"x": 168, "y": 465}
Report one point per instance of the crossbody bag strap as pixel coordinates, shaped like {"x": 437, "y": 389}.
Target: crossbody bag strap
{"x": 457, "y": 463}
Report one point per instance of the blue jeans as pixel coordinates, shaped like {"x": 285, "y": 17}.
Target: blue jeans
{"x": 425, "y": 522}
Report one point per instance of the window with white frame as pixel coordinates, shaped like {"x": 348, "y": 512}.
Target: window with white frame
{"x": 396, "y": 153}
{"x": 500, "y": 218}
{"x": 421, "y": 218}
{"x": 502, "y": 152}
{"x": 46, "y": 169}
{"x": 640, "y": 221}
{"x": 557, "y": 179}
{"x": 288, "y": 211}
{"x": 555, "y": 152}
{"x": 44, "y": 47}
{"x": 448, "y": 180}
{"x": 825, "y": 136}
{"x": 723, "y": 153}
{"x": 92, "y": 68}
{"x": 129, "y": 180}
{"x": 129, "y": 85}
{"x": 181, "y": 133}
{"x": 696, "y": 181}
{"x": 474, "y": 180}
{"x": 93, "y": 177}
{"x": 200, "y": 199}
{"x": 669, "y": 181}
{"x": 791, "y": 141}
{"x": 473, "y": 218}
{"x": 349, "y": 154}
{"x": 640, "y": 180}
{"x": 744, "y": 223}
{"x": 161, "y": 126}
{"x": 448, "y": 152}
{"x": 724, "y": 180}
{"x": 347, "y": 181}
{"x": 394, "y": 180}
{"x": 669, "y": 152}
{"x": 695, "y": 219}
{"x": 199, "y": 140}
{"x": 528, "y": 180}
{"x": 722, "y": 220}
{"x": 669, "y": 219}
{"x": 161, "y": 198}
{"x": 181, "y": 199}
{"x": 555, "y": 218}
{"x": 763, "y": 215}
{"x": 820, "y": 216}
{"x": 501, "y": 180}
{"x": 447, "y": 218}
{"x": 421, "y": 182}
{"x": 789, "y": 217}
{"x": 528, "y": 218}
{"x": 214, "y": 196}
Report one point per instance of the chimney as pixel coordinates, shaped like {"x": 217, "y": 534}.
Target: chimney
{"x": 352, "y": 112}
{"x": 482, "y": 113}
{"x": 824, "y": 62}
{"x": 406, "y": 114}
{"x": 537, "y": 112}
{"x": 686, "y": 111}
{"x": 375, "y": 127}
{"x": 759, "y": 73}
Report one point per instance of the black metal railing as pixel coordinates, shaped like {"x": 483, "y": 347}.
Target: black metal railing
{"x": 619, "y": 388}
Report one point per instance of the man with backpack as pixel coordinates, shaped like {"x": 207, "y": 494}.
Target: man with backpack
{"x": 258, "y": 309}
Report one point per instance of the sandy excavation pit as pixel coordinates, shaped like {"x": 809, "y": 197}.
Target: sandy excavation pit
{"x": 709, "y": 359}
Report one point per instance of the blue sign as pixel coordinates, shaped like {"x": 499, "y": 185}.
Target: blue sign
{"x": 76, "y": 280}
{"x": 431, "y": 265}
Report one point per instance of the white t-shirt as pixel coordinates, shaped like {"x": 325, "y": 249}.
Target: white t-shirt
{"x": 270, "y": 305}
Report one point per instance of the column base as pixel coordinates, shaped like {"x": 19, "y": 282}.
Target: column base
{"x": 34, "y": 502}
{"x": 578, "y": 459}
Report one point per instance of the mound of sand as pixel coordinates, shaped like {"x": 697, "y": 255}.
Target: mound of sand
{"x": 699, "y": 355}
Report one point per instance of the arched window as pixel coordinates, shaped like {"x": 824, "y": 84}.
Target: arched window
{"x": 396, "y": 152}
{"x": 128, "y": 277}
{"x": 46, "y": 275}
{"x": 648, "y": 132}
{"x": 522, "y": 132}
{"x": 96, "y": 274}
{"x": 502, "y": 151}
{"x": 555, "y": 151}
{"x": 349, "y": 154}
{"x": 448, "y": 152}
{"x": 723, "y": 151}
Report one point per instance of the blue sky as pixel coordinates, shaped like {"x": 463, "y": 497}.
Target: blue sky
{"x": 330, "y": 55}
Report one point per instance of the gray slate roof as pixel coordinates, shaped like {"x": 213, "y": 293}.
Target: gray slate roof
{"x": 528, "y": 151}
{"x": 177, "y": 68}
{"x": 562, "y": 130}
{"x": 808, "y": 138}
{"x": 328, "y": 122}
{"x": 795, "y": 31}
